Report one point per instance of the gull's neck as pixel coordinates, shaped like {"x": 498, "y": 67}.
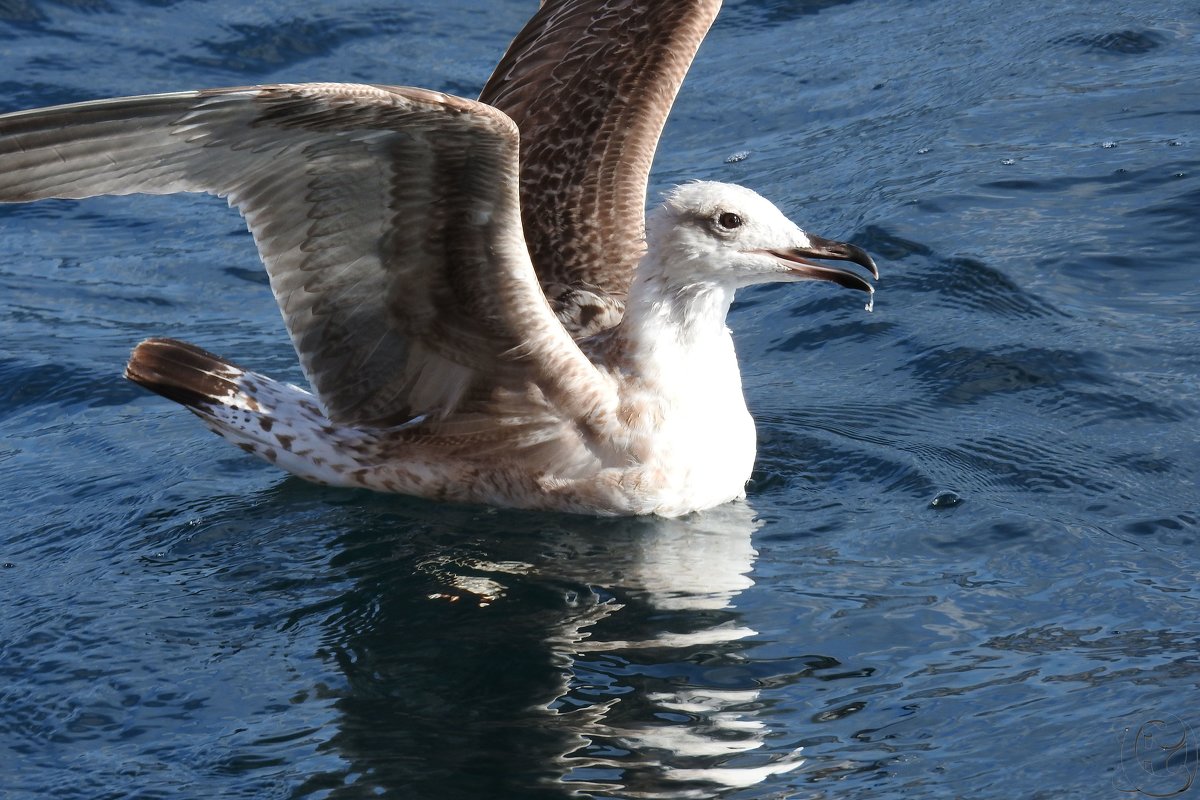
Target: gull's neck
{"x": 672, "y": 324}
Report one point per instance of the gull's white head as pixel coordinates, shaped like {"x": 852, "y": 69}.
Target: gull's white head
{"x": 707, "y": 232}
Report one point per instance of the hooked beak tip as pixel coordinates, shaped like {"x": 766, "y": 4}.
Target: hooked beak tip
{"x": 829, "y": 250}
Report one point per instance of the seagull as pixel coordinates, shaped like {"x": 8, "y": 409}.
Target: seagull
{"x": 482, "y": 307}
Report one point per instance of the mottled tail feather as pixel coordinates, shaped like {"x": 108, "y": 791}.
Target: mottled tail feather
{"x": 182, "y": 372}
{"x": 277, "y": 422}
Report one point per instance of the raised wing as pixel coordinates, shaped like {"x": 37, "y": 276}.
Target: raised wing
{"x": 590, "y": 83}
{"x": 387, "y": 217}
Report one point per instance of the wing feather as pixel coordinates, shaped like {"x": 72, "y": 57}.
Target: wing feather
{"x": 590, "y": 84}
{"x": 387, "y": 217}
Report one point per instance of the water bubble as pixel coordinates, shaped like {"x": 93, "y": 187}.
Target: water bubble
{"x": 740, "y": 155}
{"x": 945, "y": 500}
{"x": 924, "y": 150}
{"x": 1008, "y": 162}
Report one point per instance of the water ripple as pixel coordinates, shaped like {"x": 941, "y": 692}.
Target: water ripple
{"x": 1117, "y": 43}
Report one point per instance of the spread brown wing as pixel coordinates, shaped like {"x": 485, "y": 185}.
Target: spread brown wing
{"x": 387, "y": 218}
{"x": 590, "y": 83}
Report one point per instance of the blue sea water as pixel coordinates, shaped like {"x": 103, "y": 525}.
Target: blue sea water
{"x": 967, "y": 566}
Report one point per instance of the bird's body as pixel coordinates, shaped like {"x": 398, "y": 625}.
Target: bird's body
{"x": 480, "y": 316}
{"x": 681, "y": 439}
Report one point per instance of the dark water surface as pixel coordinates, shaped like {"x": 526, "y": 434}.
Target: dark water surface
{"x": 968, "y": 563}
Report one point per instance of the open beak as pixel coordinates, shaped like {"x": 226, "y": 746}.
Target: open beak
{"x": 797, "y": 261}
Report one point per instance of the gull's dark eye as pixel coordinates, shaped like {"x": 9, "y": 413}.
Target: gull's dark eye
{"x": 729, "y": 221}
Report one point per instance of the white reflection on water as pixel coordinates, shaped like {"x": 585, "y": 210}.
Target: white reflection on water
{"x": 668, "y": 730}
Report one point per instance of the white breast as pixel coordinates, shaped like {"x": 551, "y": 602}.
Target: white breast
{"x": 704, "y": 445}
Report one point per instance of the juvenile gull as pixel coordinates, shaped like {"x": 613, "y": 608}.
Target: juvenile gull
{"x": 469, "y": 285}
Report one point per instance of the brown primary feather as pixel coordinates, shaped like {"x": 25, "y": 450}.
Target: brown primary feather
{"x": 590, "y": 86}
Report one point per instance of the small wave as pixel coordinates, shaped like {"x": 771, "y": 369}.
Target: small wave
{"x": 1116, "y": 43}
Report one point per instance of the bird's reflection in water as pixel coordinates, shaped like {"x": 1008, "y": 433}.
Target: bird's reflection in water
{"x": 589, "y": 656}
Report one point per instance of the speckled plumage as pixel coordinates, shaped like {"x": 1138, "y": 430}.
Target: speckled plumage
{"x": 456, "y": 352}
{"x": 590, "y": 85}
